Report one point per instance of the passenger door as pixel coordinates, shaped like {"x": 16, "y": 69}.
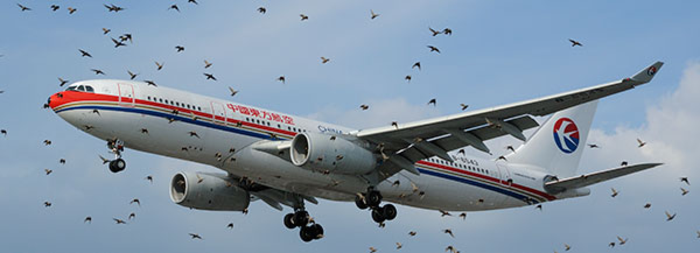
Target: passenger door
{"x": 126, "y": 94}
{"x": 218, "y": 113}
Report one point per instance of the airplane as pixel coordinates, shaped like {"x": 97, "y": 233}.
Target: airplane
{"x": 286, "y": 160}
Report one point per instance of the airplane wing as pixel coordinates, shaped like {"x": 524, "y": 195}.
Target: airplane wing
{"x": 571, "y": 183}
{"x": 407, "y": 143}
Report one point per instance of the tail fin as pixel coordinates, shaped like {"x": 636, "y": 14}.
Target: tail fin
{"x": 556, "y": 147}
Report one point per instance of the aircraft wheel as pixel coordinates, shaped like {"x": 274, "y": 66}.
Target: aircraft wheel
{"x": 374, "y": 198}
{"x": 306, "y": 234}
{"x": 289, "y": 221}
{"x": 389, "y": 211}
{"x": 378, "y": 216}
{"x": 316, "y": 231}
{"x": 117, "y": 165}
{"x": 360, "y": 202}
{"x": 301, "y": 218}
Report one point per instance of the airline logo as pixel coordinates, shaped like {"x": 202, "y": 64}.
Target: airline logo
{"x": 651, "y": 71}
{"x": 566, "y": 135}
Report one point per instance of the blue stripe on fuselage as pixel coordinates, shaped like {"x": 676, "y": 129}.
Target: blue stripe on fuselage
{"x": 477, "y": 184}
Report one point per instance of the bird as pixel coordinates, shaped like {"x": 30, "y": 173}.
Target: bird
{"x": 374, "y": 15}
{"x": 593, "y": 145}
{"x": 412, "y": 233}
{"x": 98, "y": 71}
{"x": 233, "y": 92}
{"x": 47, "y": 204}
{"x": 641, "y": 143}
{"x": 685, "y": 180}
{"x": 303, "y": 17}
{"x": 447, "y": 31}
{"x": 396, "y": 183}
{"x": 62, "y": 82}
{"x": 55, "y": 7}
{"x": 539, "y": 207}
{"x": 433, "y": 101}
{"x": 611, "y": 244}
{"x": 395, "y": 124}
{"x": 444, "y": 213}
{"x": 416, "y": 65}
{"x": 502, "y": 158}
{"x": 137, "y": 201}
{"x": 210, "y": 76}
{"x": 113, "y": 8}
{"x": 3, "y": 132}
{"x": 88, "y": 127}
{"x": 622, "y": 241}
{"x": 575, "y": 43}
{"x": 199, "y": 178}
{"x": 105, "y": 31}
{"x": 624, "y": 163}
{"x": 398, "y": 245}
{"x": 159, "y": 65}
{"x": 132, "y": 216}
{"x": 464, "y": 106}
{"x": 450, "y": 248}
{"x": 670, "y": 217}
{"x": 117, "y": 43}
{"x": 698, "y": 232}
{"x": 207, "y": 64}
{"x": 324, "y": 60}
{"x": 647, "y": 205}
{"x": 71, "y": 10}
{"x": 230, "y": 225}
{"x": 435, "y": 33}
{"x": 104, "y": 160}
{"x": 144, "y": 130}
{"x": 461, "y": 151}
{"x": 463, "y": 216}
{"x": 150, "y": 82}
{"x": 364, "y": 107}
{"x": 408, "y": 78}
{"x": 684, "y": 191}
{"x": 433, "y": 49}
{"x": 87, "y": 220}
{"x": 132, "y": 75}
{"x": 567, "y": 247}
{"x": 47, "y": 142}
{"x": 193, "y": 1}
{"x": 24, "y": 8}
{"x": 84, "y": 53}
{"x": 509, "y": 147}
{"x": 47, "y": 171}
{"x": 282, "y": 79}
{"x": 62, "y": 161}
{"x": 149, "y": 178}
{"x": 174, "y": 7}
{"x": 119, "y": 221}
{"x": 193, "y": 133}
{"x": 614, "y": 192}
{"x": 262, "y": 10}
{"x": 449, "y": 232}
{"x": 179, "y": 48}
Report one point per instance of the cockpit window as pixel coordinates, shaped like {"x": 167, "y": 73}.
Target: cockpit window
{"x": 85, "y": 88}
{"x": 81, "y": 88}
{"x": 71, "y": 88}
{"x": 89, "y": 88}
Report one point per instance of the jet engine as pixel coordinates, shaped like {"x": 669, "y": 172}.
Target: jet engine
{"x": 208, "y": 192}
{"x": 331, "y": 153}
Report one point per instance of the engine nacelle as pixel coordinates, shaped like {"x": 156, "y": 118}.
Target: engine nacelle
{"x": 315, "y": 151}
{"x": 208, "y": 192}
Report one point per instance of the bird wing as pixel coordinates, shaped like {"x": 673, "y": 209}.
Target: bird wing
{"x": 451, "y": 132}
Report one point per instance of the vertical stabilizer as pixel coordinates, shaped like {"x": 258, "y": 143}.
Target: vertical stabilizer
{"x": 556, "y": 147}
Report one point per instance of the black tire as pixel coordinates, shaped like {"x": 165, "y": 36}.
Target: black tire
{"x": 316, "y": 231}
{"x": 305, "y": 234}
{"x": 378, "y": 216}
{"x": 289, "y": 221}
{"x": 117, "y": 165}
{"x": 389, "y": 211}
{"x": 301, "y": 218}
{"x": 360, "y": 202}
{"x": 374, "y": 198}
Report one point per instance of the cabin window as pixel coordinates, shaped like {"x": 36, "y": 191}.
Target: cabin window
{"x": 199, "y": 108}
{"x": 177, "y": 104}
{"x": 279, "y": 126}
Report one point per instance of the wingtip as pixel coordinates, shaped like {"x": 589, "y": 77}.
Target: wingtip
{"x": 646, "y": 74}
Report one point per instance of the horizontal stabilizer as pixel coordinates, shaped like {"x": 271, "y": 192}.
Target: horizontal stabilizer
{"x": 571, "y": 183}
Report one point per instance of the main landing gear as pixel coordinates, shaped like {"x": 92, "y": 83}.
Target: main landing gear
{"x": 116, "y": 146}
{"x": 372, "y": 200}
{"x": 310, "y": 230}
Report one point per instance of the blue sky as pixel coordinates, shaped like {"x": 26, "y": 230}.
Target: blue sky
{"x": 500, "y": 52}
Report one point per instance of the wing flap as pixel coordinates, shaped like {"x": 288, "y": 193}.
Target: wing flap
{"x": 571, "y": 183}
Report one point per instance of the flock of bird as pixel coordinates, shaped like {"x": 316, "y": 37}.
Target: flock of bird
{"x": 126, "y": 39}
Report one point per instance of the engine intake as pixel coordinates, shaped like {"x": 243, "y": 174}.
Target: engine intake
{"x": 208, "y": 192}
{"x": 331, "y": 153}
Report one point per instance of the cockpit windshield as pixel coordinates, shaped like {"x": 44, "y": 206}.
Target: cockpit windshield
{"x": 84, "y": 88}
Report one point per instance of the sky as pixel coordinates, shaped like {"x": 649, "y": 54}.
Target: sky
{"x": 500, "y": 52}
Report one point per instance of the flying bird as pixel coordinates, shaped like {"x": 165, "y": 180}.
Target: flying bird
{"x": 47, "y": 171}
{"x": 614, "y": 192}
{"x": 622, "y": 241}
{"x": 416, "y": 65}
{"x": 207, "y": 64}
{"x": 398, "y": 245}
{"x": 55, "y": 7}
{"x": 374, "y": 15}
{"x": 47, "y": 142}
{"x": 230, "y": 225}
{"x": 179, "y": 48}
{"x": 281, "y": 79}
{"x": 159, "y": 65}
{"x": 71, "y": 10}
{"x": 435, "y": 33}
{"x": 464, "y": 106}
{"x": 449, "y": 232}
{"x": 174, "y": 7}
{"x": 84, "y": 53}
{"x": 324, "y": 60}
{"x": 684, "y": 191}
{"x": 450, "y": 249}
{"x": 567, "y": 247}
{"x": 611, "y": 244}
{"x": 132, "y": 216}
{"x": 444, "y": 213}
{"x": 117, "y": 43}
{"x": 364, "y": 107}
{"x": 210, "y": 76}
{"x": 195, "y": 236}
{"x": 624, "y": 163}
{"x": 647, "y": 205}
{"x": 105, "y": 31}
{"x": 641, "y": 143}
{"x": 137, "y": 201}
{"x": 463, "y": 216}
{"x": 433, "y": 49}
{"x": 193, "y": 133}
{"x": 593, "y": 145}
{"x": 24, "y": 8}
{"x": 3, "y": 132}
{"x": 119, "y": 221}
{"x": 395, "y": 124}
{"x": 685, "y": 180}
{"x": 47, "y": 204}
{"x": 575, "y": 43}
{"x": 149, "y": 178}
{"x": 150, "y": 82}
{"x": 412, "y": 233}
{"x": 62, "y": 82}
{"x": 509, "y": 147}
{"x": 262, "y": 10}
{"x": 502, "y": 158}
{"x": 461, "y": 151}
{"x": 303, "y": 17}
{"x": 132, "y": 75}
{"x": 233, "y": 92}
{"x": 433, "y": 101}
{"x": 62, "y": 161}
{"x": 447, "y": 31}
{"x": 98, "y": 71}
{"x": 408, "y": 78}
{"x": 670, "y": 217}
{"x": 87, "y": 220}
{"x": 113, "y": 8}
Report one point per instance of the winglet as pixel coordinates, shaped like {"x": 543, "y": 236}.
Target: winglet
{"x": 645, "y": 75}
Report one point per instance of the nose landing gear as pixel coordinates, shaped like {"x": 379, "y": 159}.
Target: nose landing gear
{"x": 115, "y": 146}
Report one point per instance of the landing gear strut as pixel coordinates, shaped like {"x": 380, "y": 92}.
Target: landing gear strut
{"x": 116, "y": 146}
{"x": 372, "y": 200}
{"x": 309, "y": 229}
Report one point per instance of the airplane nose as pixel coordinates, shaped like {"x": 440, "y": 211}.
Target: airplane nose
{"x": 54, "y": 100}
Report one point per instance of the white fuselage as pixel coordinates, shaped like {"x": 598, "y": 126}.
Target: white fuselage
{"x": 224, "y": 130}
